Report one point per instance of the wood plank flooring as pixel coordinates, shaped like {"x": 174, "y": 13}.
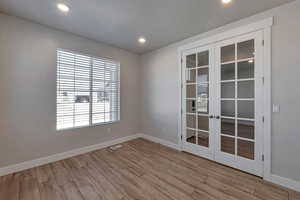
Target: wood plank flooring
{"x": 140, "y": 170}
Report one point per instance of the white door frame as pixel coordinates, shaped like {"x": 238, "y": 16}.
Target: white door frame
{"x": 206, "y": 152}
{"x": 254, "y": 166}
{"x": 265, "y": 26}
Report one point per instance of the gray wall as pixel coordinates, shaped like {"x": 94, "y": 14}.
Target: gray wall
{"x": 28, "y": 92}
{"x": 160, "y": 88}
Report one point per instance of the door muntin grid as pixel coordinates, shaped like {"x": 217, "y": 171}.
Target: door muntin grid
{"x": 197, "y": 98}
{"x": 237, "y": 88}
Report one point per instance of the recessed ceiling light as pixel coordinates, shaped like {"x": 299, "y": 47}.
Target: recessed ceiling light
{"x": 226, "y": 1}
{"x": 142, "y": 40}
{"x": 63, "y": 7}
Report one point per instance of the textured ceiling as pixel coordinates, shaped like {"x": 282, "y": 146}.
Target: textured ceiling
{"x": 121, "y": 22}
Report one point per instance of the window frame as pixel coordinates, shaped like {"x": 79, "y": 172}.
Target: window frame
{"x": 91, "y": 124}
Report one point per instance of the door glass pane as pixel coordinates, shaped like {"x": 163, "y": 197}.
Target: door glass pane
{"x": 245, "y": 149}
{"x": 246, "y": 109}
{"x": 246, "y": 129}
{"x": 246, "y": 89}
{"x": 228, "y": 53}
{"x": 203, "y": 138}
{"x": 191, "y": 136}
{"x": 202, "y": 90}
{"x": 227, "y": 108}
{"x": 190, "y": 106}
{"x": 228, "y": 126}
{"x": 202, "y": 98}
{"x": 245, "y": 49}
{"x": 203, "y": 75}
{"x": 203, "y": 123}
{"x": 202, "y": 105}
{"x": 246, "y": 69}
{"x": 228, "y": 72}
{"x": 203, "y": 58}
{"x": 191, "y": 121}
{"x": 228, "y": 90}
{"x": 191, "y": 61}
{"x": 191, "y": 91}
{"x": 191, "y": 75}
{"x": 227, "y": 145}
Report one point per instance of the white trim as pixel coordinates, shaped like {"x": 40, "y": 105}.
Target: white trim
{"x": 289, "y": 183}
{"x": 265, "y": 26}
{"x": 161, "y": 141}
{"x": 285, "y": 182}
{"x": 259, "y": 25}
{"x": 60, "y": 156}
{"x": 267, "y": 101}
{"x": 180, "y": 99}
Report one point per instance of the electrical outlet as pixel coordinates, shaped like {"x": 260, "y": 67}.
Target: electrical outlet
{"x": 276, "y": 108}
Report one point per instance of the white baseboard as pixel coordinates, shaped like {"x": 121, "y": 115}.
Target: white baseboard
{"x": 161, "y": 141}
{"x": 60, "y": 156}
{"x": 289, "y": 183}
{"x": 285, "y": 182}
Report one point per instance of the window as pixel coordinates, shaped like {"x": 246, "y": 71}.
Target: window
{"x": 88, "y": 90}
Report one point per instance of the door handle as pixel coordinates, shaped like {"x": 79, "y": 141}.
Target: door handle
{"x": 217, "y": 117}
{"x": 193, "y": 105}
{"x": 211, "y": 116}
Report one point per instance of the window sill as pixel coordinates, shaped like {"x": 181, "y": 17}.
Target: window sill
{"x": 88, "y": 126}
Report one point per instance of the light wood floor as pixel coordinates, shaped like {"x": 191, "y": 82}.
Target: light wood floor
{"x": 139, "y": 170}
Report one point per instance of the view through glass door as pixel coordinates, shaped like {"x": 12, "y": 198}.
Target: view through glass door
{"x": 223, "y": 102}
{"x": 197, "y": 102}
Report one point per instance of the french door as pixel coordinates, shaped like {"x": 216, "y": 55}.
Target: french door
{"x": 223, "y": 102}
{"x": 198, "y": 102}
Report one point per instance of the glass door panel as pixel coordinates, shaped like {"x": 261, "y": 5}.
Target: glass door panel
{"x": 246, "y": 129}
{"x": 203, "y": 138}
{"x": 245, "y": 149}
{"x": 237, "y": 138}
{"x": 222, "y": 102}
{"x": 197, "y": 102}
{"x": 191, "y": 76}
{"x": 191, "y": 91}
{"x": 228, "y": 53}
{"x": 237, "y": 90}
{"x": 228, "y": 144}
{"x": 203, "y": 98}
{"x": 191, "y": 61}
{"x": 245, "y": 49}
{"x": 190, "y": 106}
{"x": 191, "y": 136}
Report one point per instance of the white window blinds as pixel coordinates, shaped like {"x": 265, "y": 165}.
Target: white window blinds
{"x": 88, "y": 91}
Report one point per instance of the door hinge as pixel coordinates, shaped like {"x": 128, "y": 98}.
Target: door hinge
{"x": 181, "y": 137}
{"x": 263, "y": 42}
{"x": 263, "y": 157}
{"x": 181, "y": 60}
{"x": 263, "y": 119}
{"x": 263, "y": 80}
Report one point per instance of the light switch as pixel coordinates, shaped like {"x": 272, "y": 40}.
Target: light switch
{"x": 276, "y": 108}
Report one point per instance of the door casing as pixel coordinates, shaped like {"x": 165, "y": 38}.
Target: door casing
{"x": 265, "y": 27}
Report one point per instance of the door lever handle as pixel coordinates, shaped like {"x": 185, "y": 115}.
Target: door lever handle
{"x": 217, "y": 117}
{"x": 211, "y": 116}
